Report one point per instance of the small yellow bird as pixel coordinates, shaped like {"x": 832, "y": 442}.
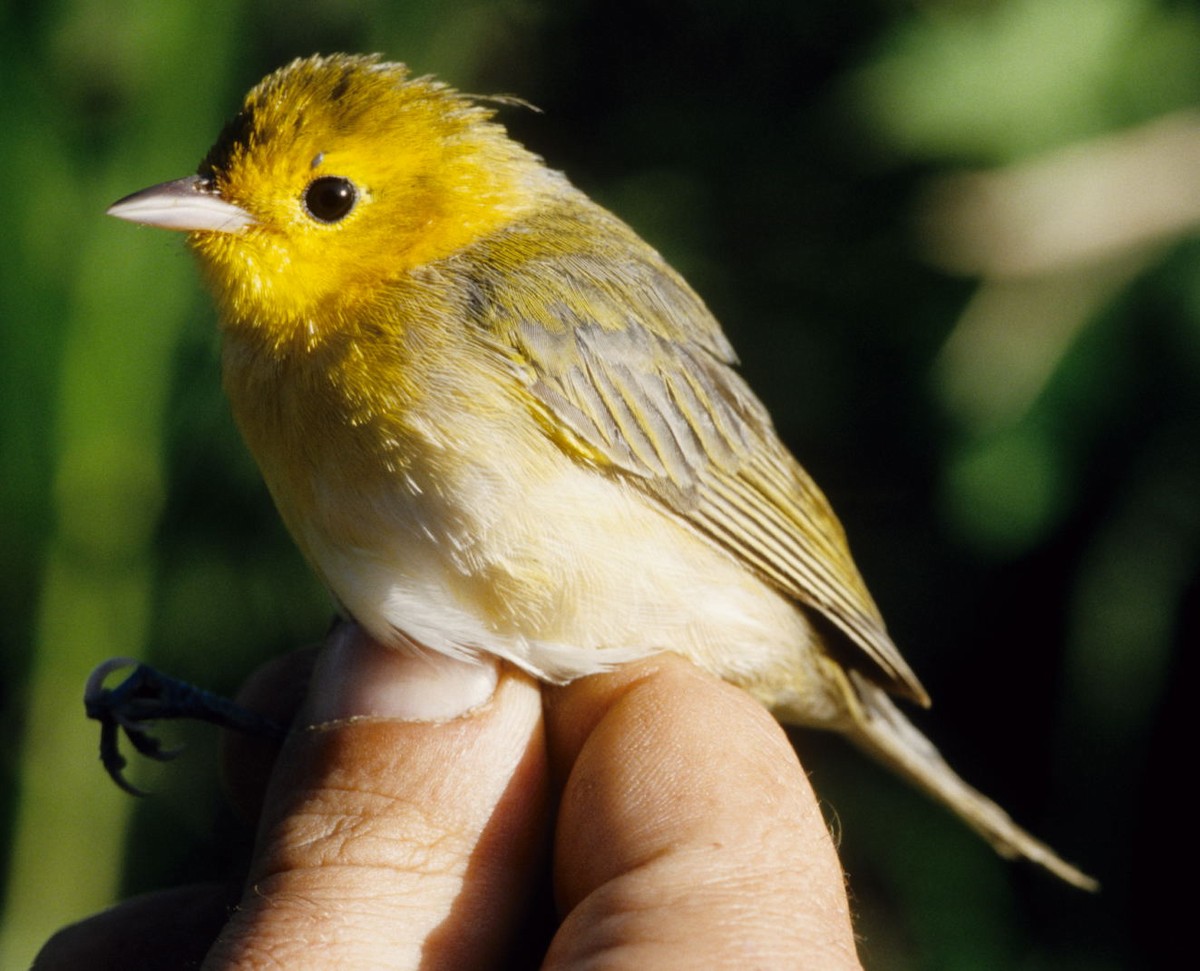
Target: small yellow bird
{"x": 496, "y": 422}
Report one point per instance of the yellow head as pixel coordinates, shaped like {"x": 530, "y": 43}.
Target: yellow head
{"x": 339, "y": 174}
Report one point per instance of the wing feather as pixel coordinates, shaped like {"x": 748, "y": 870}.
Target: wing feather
{"x": 625, "y": 356}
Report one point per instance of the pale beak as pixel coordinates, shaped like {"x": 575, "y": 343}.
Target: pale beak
{"x": 188, "y": 205}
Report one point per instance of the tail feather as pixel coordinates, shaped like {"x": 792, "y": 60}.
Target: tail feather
{"x": 883, "y": 732}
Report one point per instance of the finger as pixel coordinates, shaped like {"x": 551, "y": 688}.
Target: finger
{"x": 160, "y": 931}
{"x": 276, "y": 690}
{"x": 688, "y": 835}
{"x": 403, "y": 828}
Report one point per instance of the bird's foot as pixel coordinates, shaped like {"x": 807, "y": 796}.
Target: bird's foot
{"x": 147, "y": 696}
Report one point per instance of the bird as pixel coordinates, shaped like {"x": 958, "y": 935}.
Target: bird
{"x": 497, "y": 423}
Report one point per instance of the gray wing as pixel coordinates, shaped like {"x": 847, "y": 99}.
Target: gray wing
{"x": 635, "y": 376}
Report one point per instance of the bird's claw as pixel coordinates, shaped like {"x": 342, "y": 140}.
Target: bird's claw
{"x": 147, "y": 695}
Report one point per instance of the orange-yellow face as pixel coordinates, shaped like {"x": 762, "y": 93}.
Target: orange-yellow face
{"x": 339, "y": 174}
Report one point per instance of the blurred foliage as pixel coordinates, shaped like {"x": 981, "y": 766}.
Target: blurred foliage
{"x": 1040, "y": 568}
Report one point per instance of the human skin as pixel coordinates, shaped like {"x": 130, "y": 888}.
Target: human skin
{"x": 429, "y": 805}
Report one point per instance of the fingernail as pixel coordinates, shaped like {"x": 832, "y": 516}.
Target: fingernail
{"x": 354, "y": 677}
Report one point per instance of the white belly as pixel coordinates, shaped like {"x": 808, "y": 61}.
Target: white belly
{"x": 563, "y": 576}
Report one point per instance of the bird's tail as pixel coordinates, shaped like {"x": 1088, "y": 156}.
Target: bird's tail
{"x": 883, "y": 732}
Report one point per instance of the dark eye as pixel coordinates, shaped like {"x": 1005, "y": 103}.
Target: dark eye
{"x": 330, "y": 198}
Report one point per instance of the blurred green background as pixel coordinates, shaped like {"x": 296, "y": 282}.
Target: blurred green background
{"x": 954, "y": 242}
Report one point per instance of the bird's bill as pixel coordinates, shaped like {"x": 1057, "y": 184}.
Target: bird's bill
{"x": 188, "y": 205}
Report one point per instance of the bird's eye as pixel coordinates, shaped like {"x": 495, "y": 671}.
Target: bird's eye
{"x": 330, "y": 198}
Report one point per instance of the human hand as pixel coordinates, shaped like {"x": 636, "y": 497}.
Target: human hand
{"x": 416, "y": 823}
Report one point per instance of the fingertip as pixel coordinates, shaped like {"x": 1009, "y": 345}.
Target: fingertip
{"x": 356, "y": 677}
{"x": 349, "y": 677}
{"x": 675, "y": 688}
{"x": 404, "y": 817}
{"x": 683, "y": 798}
{"x": 277, "y": 689}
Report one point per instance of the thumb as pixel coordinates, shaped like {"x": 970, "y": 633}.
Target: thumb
{"x": 402, "y": 823}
